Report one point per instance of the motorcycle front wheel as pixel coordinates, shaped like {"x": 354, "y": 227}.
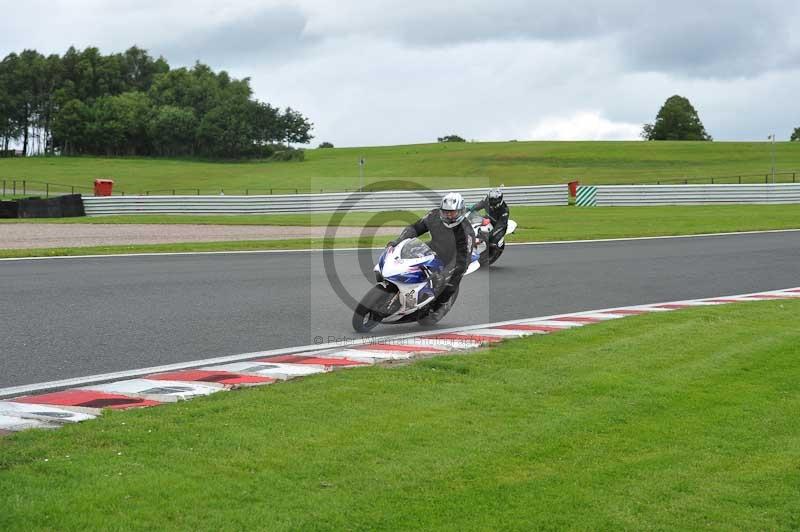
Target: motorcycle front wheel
{"x": 491, "y": 255}
{"x": 372, "y": 309}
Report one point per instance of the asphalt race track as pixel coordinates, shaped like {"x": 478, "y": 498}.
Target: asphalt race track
{"x": 75, "y": 317}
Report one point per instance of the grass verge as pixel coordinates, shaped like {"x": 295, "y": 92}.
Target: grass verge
{"x": 679, "y": 420}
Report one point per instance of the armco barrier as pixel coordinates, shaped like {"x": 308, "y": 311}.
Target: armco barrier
{"x": 297, "y": 203}
{"x": 621, "y": 195}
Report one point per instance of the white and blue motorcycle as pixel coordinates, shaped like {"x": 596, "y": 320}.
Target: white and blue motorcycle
{"x": 405, "y": 276}
{"x": 483, "y": 231}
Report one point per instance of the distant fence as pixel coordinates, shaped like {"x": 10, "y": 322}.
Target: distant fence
{"x": 28, "y": 187}
{"x": 623, "y": 195}
{"x": 740, "y": 179}
{"x": 300, "y": 203}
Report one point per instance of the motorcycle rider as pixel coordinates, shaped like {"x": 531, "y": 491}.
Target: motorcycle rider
{"x": 452, "y": 238}
{"x": 497, "y": 211}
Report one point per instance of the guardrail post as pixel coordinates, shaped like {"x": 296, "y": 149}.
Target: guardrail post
{"x": 4, "y": 187}
{"x": 24, "y": 187}
{"x": 247, "y": 192}
{"x": 14, "y": 188}
{"x": 47, "y": 190}
{"x": 740, "y": 180}
{"x": 766, "y": 178}
{"x": 198, "y": 191}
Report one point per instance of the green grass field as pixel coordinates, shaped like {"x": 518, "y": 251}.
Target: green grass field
{"x": 452, "y": 165}
{"x": 684, "y": 420}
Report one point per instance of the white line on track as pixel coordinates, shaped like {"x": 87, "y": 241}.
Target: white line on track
{"x": 307, "y": 250}
{"x": 105, "y": 377}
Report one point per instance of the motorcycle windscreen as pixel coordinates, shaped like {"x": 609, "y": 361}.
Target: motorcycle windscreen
{"x": 475, "y": 217}
{"x": 415, "y": 249}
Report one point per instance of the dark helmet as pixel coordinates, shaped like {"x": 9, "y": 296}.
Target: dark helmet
{"x": 495, "y": 197}
{"x": 452, "y": 210}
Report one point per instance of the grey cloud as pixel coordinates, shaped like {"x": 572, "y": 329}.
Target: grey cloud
{"x": 268, "y": 36}
{"x": 716, "y": 39}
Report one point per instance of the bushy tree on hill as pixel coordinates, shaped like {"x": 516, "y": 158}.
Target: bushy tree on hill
{"x": 676, "y": 120}
{"x": 795, "y": 135}
{"x": 450, "y": 138}
{"x": 132, "y": 104}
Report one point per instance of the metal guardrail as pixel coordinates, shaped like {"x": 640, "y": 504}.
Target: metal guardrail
{"x": 301, "y": 203}
{"x": 623, "y": 195}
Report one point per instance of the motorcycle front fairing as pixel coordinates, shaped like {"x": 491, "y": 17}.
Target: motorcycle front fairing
{"x": 407, "y": 267}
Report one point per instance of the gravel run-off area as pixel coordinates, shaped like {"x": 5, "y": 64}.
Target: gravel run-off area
{"x": 18, "y": 236}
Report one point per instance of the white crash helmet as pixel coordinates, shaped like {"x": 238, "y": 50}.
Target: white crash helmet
{"x": 452, "y": 210}
{"x": 495, "y": 197}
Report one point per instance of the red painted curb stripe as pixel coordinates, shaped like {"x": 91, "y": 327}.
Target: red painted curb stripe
{"x": 86, "y": 398}
{"x": 535, "y": 328}
{"x": 626, "y": 312}
{"x": 766, "y": 296}
{"x": 723, "y": 300}
{"x": 673, "y": 306}
{"x": 312, "y": 360}
{"x": 400, "y": 348}
{"x": 221, "y": 377}
{"x": 479, "y": 338}
{"x": 576, "y": 319}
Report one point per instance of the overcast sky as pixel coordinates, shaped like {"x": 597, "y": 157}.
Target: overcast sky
{"x": 371, "y": 72}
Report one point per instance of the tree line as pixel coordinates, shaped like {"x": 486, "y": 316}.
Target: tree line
{"x": 132, "y": 104}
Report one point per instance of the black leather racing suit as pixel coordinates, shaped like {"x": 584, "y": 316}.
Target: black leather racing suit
{"x": 499, "y": 217}
{"x": 452, "y": 246}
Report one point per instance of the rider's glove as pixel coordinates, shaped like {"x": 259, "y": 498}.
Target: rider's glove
{"x": 392, "y": 243}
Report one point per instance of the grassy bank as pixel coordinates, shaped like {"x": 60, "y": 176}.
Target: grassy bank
{"x": 680, "y": 420}
{"x": 434, "y": 165}
{"x": 535, "y": 224}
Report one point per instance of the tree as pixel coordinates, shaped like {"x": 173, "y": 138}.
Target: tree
{"x": 172, "y": 130}
{"x": 119, "y": 124}
{"x": 296, "y": 127}
{"x": 69, "y": 127}
{"x": 326, "y": 145}
{"x": 795, "y": 135}
{"x": 226, "y": 131}
{"x": 450, "y": 138}
{"x": 676, "y": 120}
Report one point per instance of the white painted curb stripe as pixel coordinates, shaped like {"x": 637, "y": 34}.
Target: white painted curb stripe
{"x": 46, "y": 413}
